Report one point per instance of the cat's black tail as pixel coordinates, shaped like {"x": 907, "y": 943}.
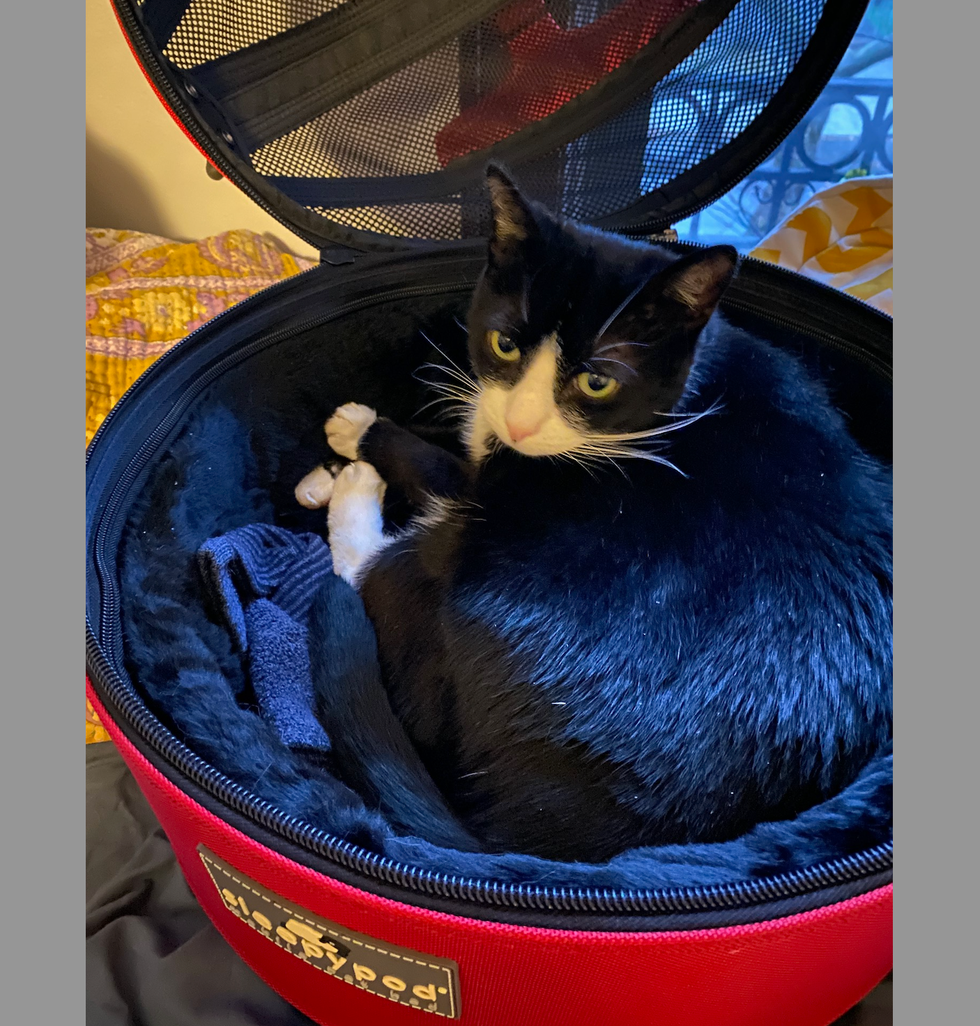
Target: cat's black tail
{"x": 372, "y": 752}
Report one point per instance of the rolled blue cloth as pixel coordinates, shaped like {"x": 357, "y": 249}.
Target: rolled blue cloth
{"x": 262, "y": 580}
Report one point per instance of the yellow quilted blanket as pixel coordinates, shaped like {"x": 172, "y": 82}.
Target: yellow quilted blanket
{"x": 144, "y": 293}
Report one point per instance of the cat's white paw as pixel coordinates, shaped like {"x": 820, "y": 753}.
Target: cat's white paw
{"x": 355, "y": 519}
{"x": 347, "y": 427}
{"x": 359, "y": 482}
{"x": 315, "y": 490}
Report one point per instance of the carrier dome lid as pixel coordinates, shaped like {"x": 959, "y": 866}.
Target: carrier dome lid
{"x": 369, "y": 123}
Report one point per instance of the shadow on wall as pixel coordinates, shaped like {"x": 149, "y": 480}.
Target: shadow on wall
{"x": 115, "y": 195}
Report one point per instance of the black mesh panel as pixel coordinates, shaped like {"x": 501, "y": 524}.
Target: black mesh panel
{"x": 436, "y": 220}
{"x": 214, "y": 28}
{"x": 716, "y": 93}
{"x": 389, "y": 129}
{"x": 592, "y": 103}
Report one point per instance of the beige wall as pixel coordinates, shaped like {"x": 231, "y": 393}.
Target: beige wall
{"x": 142, "y": 172}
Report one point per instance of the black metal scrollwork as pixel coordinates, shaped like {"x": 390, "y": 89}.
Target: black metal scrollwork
{"x": 847, "y": 133}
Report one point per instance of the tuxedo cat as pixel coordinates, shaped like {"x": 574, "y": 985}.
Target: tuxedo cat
{"x": 654, "y": 604}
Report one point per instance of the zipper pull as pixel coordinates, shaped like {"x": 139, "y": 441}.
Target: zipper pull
{"x": 664, "y": 235}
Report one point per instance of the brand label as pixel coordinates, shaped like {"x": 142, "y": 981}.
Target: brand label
{"x": 406, "y": 977}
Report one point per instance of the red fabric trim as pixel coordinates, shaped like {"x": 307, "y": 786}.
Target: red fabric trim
{"x": 803, "y": 970}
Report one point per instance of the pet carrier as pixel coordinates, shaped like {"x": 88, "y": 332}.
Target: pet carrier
{"x": 365, "y": 127}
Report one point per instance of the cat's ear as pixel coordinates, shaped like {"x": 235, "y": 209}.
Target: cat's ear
{"x": 513, "y": 221}
{"x": 668, "y": 312}
{"x": 697, "y": 282}
{"x": 682, "y": 296}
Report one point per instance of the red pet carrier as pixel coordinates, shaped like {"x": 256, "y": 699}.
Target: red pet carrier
{"x": 365, "y": 127}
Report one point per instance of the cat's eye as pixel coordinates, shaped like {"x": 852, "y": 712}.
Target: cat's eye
{"x": 597, "y": 386}
{"x": 502, "y": 347}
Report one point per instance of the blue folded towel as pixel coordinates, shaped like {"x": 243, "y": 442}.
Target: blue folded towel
{"x": 262, "y": 580}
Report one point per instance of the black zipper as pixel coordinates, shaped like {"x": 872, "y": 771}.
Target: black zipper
{"x": 125, "y": 705}
{"x": 844, "y": 345}
{"x": 834, "y": 341}
{"x": 733, "y": 302}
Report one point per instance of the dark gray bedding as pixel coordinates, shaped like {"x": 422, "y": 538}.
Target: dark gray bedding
{"x": 152, "y": 956}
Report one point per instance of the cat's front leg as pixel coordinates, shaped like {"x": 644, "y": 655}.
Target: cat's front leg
{"x": 413, "y": 467}
{"x": 355, "y": 520}
{"x": 347, "y": 426}
{"x": 344, "y": 430}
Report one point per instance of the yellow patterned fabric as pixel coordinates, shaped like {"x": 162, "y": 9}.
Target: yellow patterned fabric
{"x": 144, "y": 293}
{"x": 842, "y": 237}
{"x": 94, "y": 731}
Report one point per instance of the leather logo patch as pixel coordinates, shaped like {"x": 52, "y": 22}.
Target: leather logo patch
{"x": 406, "y": 977}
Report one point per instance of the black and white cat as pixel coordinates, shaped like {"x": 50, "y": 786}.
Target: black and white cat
{"x": 654, "y": 605}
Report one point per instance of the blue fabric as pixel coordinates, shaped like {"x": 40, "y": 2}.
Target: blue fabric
{"x": 262, "y": 580}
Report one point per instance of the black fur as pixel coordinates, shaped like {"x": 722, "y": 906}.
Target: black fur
{"x": 588, "y": 660}
{"x": 413, "y": 469}
{"x": 370, "y": 751}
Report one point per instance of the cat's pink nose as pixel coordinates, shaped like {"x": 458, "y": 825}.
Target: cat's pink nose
{"x": 519, "y": 431}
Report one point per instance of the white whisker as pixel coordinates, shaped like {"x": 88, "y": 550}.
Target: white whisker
{"x": 610, "y": 359}
{"x": 574, "y": 457}
{"x": 616, "y": 345}
{"x": 664, "y": 429}
{"x": 443, "y": 354}
{"x": 659, "y": 413}
{"x": 461, "y": 398}
{"x": 450, "y": 391}
{"x": 614, "y": 453}
{"x": 444, "y": 399}
{"x": 598, "y": 456}
{"x": 456, "y": 375}
{"x": 470, "y": 398}
{"x": 619, "y": 309}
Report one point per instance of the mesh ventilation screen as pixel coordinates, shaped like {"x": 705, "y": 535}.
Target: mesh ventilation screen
{"x": 214, "y": 28}
{"x": 355, "y": 134}
{"x": 430, "y": 220}
{"x": 389, "y": 129}
{"x": 717, "y": 92}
